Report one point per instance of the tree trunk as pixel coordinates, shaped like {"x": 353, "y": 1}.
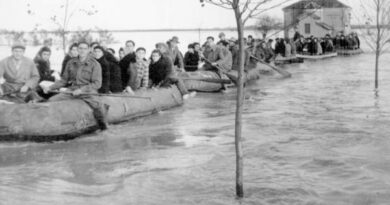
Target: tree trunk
{"x": 378, "y": 44}
{"x": 240, "y": 103}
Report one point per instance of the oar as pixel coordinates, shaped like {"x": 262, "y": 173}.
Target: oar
{"x": 210, "y": 80}
{"x": 233, "y": 78}
{"x": 103, "y": 94}
{"x": 282, "y": 72}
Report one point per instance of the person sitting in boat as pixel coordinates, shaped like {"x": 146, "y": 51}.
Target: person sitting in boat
{"x": 222, "y": 37}
{"x": 226, "y": 64}
{"x": 85, "y": 75}
{"x": 343, "y": 42}
{"x": 124, "y": 63}
{"x": 138, "y": 72}
{"x": 349, "y": 42}
{"x": 73, "y": 53}
{"x": 356, "y": 37}
{"x": 280, "y": 47}
{"x": 317, "y": 47}
{"x": 111, "y": 51}
{"x": 250, "y": 41}
{"x": 299, "y": 44}
{"x": 175, "y": 54}
{"x": 293, "y": 47}
{"x": 191, "y": 59}
{"x": 287, "y": 48}
{"x": 217, "y": 57}
{"x": 98, "y": 52}
{"x": 268, "y": 51}
{"x": 329, "y": 47}
{"x": 337, "y": 41}
{"x": 121, "y": 53}
{"x": 19, "y": 77}
{"x": 42, "y": 61}
{"x": 161, "y": 74}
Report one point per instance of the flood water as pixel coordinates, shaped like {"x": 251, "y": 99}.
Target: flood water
{"x": 320, "y": 137}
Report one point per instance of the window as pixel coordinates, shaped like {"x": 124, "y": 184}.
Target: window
{"x": 307, "y": 28}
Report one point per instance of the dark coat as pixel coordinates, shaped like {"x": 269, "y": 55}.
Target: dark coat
{"x": 105, "y": 75}
{"x": 64, "y": 62}
{"x": 44, "y": 70}
{"x": 124, "y": 65}
{"x": 115, "y": 78}
{"x": 191, "y": 61}
{"x": 160, "y": 71}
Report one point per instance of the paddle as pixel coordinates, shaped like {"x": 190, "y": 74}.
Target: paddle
{"x": 210, "y": 80}
{"x": 233, "y": 78}
{"x": 103, "y": 94}
{"x": 284, "y": 73}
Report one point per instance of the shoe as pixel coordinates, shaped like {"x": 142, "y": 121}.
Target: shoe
{"x": 186, "y": 96}
{"x": 192, "y": 94}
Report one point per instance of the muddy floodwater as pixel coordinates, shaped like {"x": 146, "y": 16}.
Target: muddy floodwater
{"x": 321, "y": 137}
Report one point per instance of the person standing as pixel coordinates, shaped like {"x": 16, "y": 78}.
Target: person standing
{"x": 19, "y": 77}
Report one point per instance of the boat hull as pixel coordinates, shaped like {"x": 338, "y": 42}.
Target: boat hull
{"x": 66, "y": 120}
{"x": 317, "y": 57}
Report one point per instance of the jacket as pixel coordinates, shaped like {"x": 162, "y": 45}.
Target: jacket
{"x": 220, "y": 55}
{"x": 44, "y": 70}
{"x": 115, "y": 78}
{"x": 139, "y": 74}
{"x": 124, "y": 65}
{"x": 104, "y": 64}
{"x": 160, "y": 71}
{"x": 26, "y": 75}
{"x": 86, "y": 76}
{"x": 191, "y": 61}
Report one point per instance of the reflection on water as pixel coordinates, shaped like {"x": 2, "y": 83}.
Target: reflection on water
{"x": 317, "y": 138}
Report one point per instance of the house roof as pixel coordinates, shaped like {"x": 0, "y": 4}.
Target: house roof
{"x": 306, "y": 15}
{"x": 325, "y": 26}
{"x": 312, "y": 4}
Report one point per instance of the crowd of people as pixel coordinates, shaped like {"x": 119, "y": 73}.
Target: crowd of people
{"x": 316, "y": 46}
{"x": 91, "y": 68}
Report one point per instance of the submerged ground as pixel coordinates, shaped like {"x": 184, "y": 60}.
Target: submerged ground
{"x": 320, "y": 137}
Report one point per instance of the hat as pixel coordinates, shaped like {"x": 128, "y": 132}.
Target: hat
{"x": 175, "y": 39}
{"x": 18, "y": 45}
{"x": 232, "y": 39}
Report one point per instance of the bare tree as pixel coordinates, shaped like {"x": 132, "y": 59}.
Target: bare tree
{"x": 376, "y": 14}
{"x": 243, "y": 11}
{"x": 267, "y": 23}
{"x": 67, "y": 10}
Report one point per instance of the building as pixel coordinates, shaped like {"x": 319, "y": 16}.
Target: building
{"x": 317, "y": 18}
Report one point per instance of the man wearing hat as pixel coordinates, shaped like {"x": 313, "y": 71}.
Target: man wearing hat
{"x": 175, "y": 54}
{"x": 19, "y": 77}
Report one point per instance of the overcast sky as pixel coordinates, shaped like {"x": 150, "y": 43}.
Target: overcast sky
{"x": 120, "y": 14}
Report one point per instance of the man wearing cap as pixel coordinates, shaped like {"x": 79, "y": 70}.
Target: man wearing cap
{"x": 18, "y": 77}
{"x": 84, "y": 74}
{"x": 218, "y": 56}
{"x": 175, "y": 54}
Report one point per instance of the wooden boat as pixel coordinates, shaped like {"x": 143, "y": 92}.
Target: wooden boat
{"x": 317, "y": 57}
{"x": 280, "y": 60}
{"x": 349, "y": 52}
{"x": 69, "y": 119}
{"x": 204, "y": 86}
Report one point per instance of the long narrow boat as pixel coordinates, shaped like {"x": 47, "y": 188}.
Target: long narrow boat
{"x": 69, "y": 119}
{"x": 280, "y": 60}
{"x": 317, "y": 57}
{"x": 348, "y": 52}
{"x": 204, "y": 86}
